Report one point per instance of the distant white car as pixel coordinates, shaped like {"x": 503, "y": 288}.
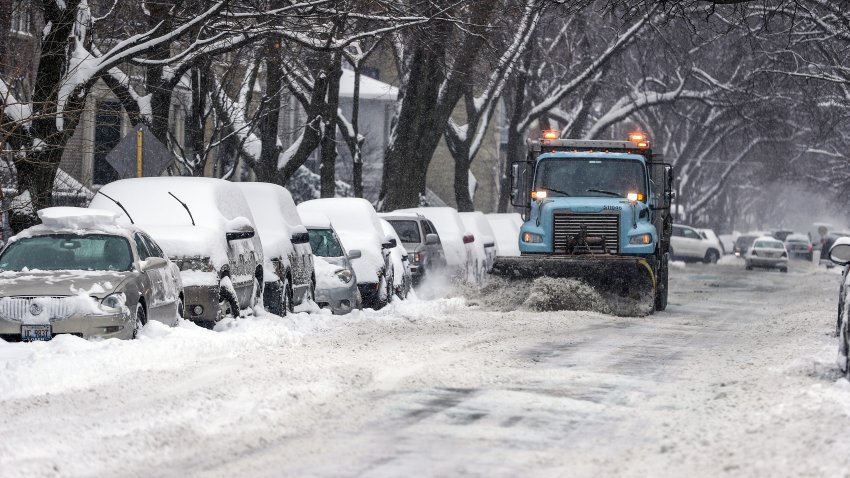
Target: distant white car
{"x": 767, "y": 252}
{"x": 688, "y": 244}
{"x": 402, "y": 280}
{"x": 505, "y": 228}
{"x": 456, "y": 241}
{"x": 710, "y": 235}
{"x": 485, "y": 242}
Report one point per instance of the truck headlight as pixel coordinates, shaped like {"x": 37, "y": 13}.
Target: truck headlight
{"x": 531, "y": 238}
{"x": 641, "y": 239}
{"x": 344, "y": 275}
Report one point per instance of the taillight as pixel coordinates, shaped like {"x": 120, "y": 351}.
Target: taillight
{"x": 754, "y": 253}
{"x": 810, "y": 248}
{"x": 468, "y": 238}
{"x": 784, "y": 254}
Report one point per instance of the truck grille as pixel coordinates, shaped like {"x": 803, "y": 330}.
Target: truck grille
{"x": 19, "y": 308}
{"x": 569, "y": 224}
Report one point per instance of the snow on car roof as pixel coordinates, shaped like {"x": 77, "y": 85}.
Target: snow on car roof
{"x": 767, "y": 239}
{"x": 315, "y": 219}
{"x": 478, "y": 224}
{"x": 797, "y": 237}
{"x": 399, "y": 215}
{"x": 76, "y": 217}
{"x": 269, "y": 203}
{"x": 212, "y": 202}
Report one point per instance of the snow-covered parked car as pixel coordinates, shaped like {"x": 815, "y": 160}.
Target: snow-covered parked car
{"x": 688, "y": 244}
{"x": 505, "y": 228}
{"x": 456, "y": 241}
{"x": 767, "y": 252}
{"x": 402, "y": 282}
{"x": 287, "y": 257}
{"x": 359, "y": 228}
{"x": 421, "y": 241}
{"x": 839, "y": 253}
{"x": 336, "y": 281}
{"x": 206, "y": 227}
{"x": 80, "y": 273}
{"x": 485, "y": 241}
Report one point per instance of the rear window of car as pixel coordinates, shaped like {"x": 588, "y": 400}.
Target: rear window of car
{"x": 89, "y": 252}
{"x": 408, "y": 231}
{"x": 768, "y": 245}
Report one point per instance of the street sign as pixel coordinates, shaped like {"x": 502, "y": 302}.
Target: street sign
{"x": 139, "y": 154}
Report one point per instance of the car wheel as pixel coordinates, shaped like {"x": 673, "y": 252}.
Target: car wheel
{"x": 711, "y": 257}
{"x": 288, "y": 297}
{"x": 749, "y": 266}
{"x": 180, "y": 311}
{"x": 139, "y": 319}
{"x": 663, "y": 283}
{"x": 783, "y": 269}
{"x": 228, "y": 303}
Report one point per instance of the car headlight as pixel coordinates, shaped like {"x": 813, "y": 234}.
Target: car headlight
{"x": 202, "y": 264}
{"x": 344, "y": 275}
{"x": 531, "y": 238}
{"x": 641, "y": 239}
{"x": 114, "y": 301}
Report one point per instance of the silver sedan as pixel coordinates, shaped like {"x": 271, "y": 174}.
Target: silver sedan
{"x": 99, "y": 281}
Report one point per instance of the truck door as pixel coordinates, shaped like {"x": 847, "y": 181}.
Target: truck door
{"x": 521, "y": 179}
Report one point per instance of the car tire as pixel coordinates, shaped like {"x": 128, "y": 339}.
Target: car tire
{"x": 663, "y": 274}
{"x": 783, "y": 269}
{"x": 711, "y": 256}
{"x": 749, "y": 266}
{"x": 140, "y": 318}
{"x": 288, "y": 297}
{"x": 227, "y": 301}
{"x": 180, "y": 311}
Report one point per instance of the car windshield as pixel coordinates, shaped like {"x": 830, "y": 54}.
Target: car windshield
{"x": 408, "y": 231}
{"x": 590, "y": 177}
{"x": 91, "y": 252}
{"x": 745, "y": 241}
{"x": 324, "y": 243}
{"x": 768, "y": 245}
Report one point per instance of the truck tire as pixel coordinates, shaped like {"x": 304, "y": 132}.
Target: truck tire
{"x": 661, "y": 284}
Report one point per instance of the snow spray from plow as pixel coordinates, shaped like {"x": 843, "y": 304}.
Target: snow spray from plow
{"x": 616, "y": 285}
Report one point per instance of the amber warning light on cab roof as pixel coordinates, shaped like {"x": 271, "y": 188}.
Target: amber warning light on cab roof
{"x": 640, "y": 140}
{"x": 551, "y": 134}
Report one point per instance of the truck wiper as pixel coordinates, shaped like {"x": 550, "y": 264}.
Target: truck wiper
{"x": 184, "y": 207}
{"x": 119, "y": 205}
{"x": 555, "y": 190}
{"x": 602, "y": 191}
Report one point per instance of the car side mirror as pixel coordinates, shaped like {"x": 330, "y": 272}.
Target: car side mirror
{"x": 152, "y": 263}
{"x": 237, "y": 235}
{"x": 300, "y": 238}
{"x": 840, "y": 253}
{"x": 354, "y": 254}
{"x": 390, "y": 244}
{"x": 431, "y": 239}
{"x": 468, "y": 239}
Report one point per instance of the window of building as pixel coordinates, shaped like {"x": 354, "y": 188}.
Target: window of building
{"x": 21, "y": 17}
{"x": 107, "y": 135}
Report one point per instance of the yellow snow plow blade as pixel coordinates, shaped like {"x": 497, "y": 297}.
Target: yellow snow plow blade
{"x": 627, "y": 283}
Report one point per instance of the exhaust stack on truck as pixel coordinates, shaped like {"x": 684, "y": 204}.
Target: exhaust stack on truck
{"x": 596, "y": 211}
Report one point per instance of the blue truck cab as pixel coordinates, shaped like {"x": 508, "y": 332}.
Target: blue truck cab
{"x": 605, "y": 200}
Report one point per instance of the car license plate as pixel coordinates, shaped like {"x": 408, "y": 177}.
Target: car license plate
{"x": 31, "y": 333}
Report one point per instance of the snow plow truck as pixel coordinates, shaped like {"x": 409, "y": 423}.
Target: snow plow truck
{"x": 598, "y": 212}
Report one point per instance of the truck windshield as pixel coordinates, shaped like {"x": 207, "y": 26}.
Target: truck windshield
{"x": 585, "y": 177}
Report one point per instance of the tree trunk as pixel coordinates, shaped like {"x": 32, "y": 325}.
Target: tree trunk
{"x": 514, "y": 148}
{"x": 462, "y": 164}
{"x": 327, "y": 169}
{"x": 356, "y": 154}
{"x": 268, "y": 126}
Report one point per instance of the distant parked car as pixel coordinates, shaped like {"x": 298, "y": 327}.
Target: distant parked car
{"x": 80, "y": 273}
{"x": 485, "y": 242}
{"x": 743, "y": 244}
{"x": 456, "y": 241}
{"x": 826, "y": 245}
{"x": 839, "y": 253}
{"x": 767, "y": 252}
{"x": 206, "y": 227}
{"x": 799, "y": 245}
{"x": 782, "y": 234}
{"x": 287, "y": 257}
{"x": 336, "y": 281}
{"x": 421, "y": 241}
{"x": 506, "y": 232}
{"x": 403, "y": 281}
{"x": 688, "y": 244}
{"x": 711, "y": 236}
{"x": 359, "y": 228}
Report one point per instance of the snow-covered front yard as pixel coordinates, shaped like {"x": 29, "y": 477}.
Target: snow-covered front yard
{"x": 737, "y": 378}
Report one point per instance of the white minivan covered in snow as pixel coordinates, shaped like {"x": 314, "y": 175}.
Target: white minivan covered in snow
{"x": 206, "y": 227}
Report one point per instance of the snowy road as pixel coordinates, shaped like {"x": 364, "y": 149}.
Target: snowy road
{"x": 737, "y": 378}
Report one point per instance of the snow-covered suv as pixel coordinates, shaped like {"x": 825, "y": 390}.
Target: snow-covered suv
{"x": 688, "y": 244}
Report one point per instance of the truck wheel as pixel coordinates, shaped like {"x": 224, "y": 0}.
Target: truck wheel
{"x": 662, "y": 282}
{"x": 711, "y": 257}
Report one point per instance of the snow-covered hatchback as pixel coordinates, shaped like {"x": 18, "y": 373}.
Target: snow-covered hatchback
{"x": 79, "y": 273}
